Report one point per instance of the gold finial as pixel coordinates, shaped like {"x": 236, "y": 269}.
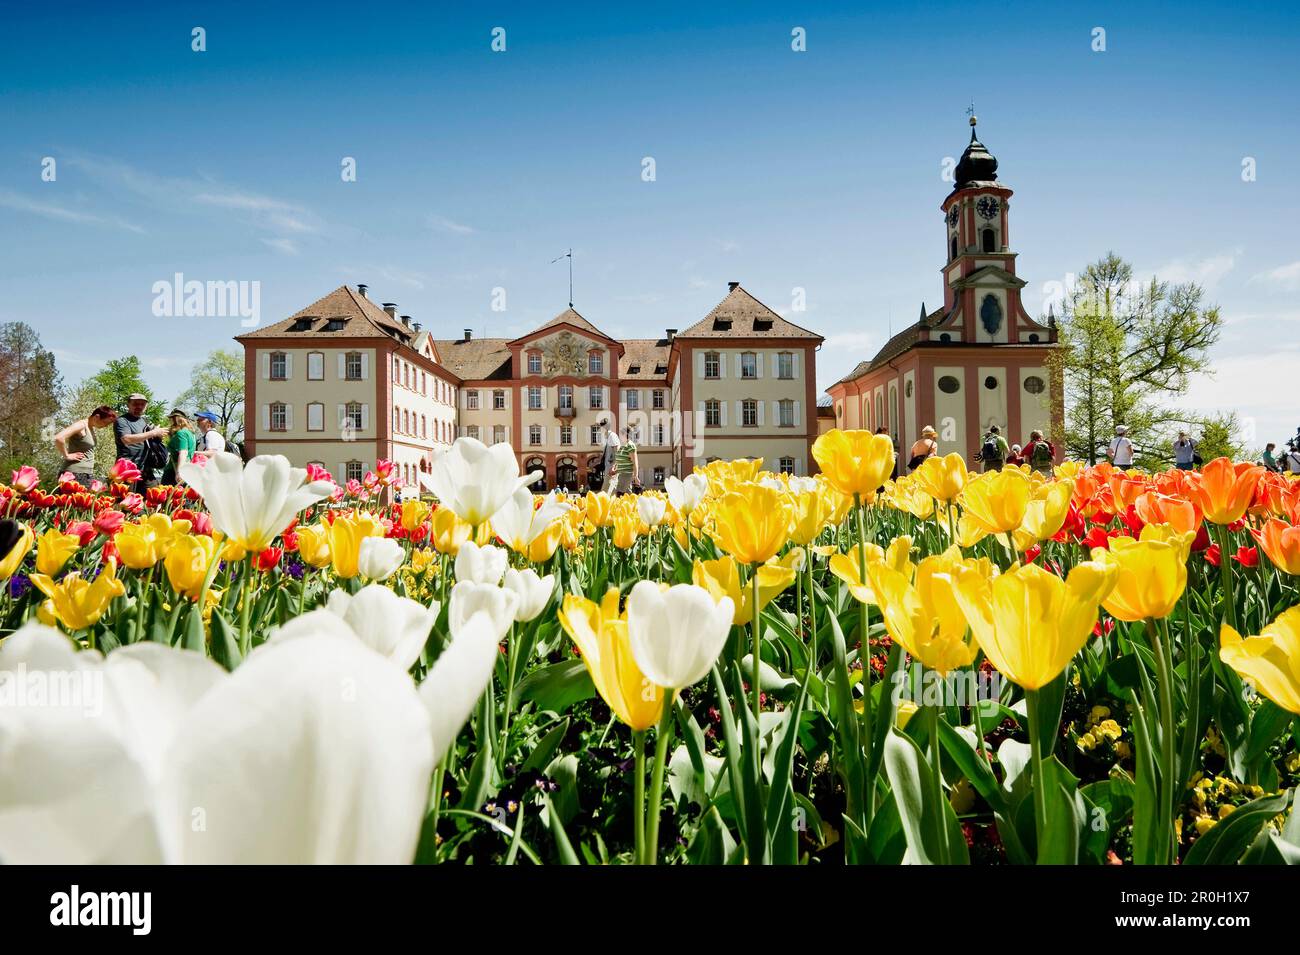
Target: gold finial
{"x": 970, "y": 111}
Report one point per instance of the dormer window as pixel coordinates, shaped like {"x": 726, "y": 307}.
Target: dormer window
{"x": 762, "y": 324}
{"x": 634, "y": 369}
{"x": 302, "y": 325}
{"x": 661, "y": 369}
{"x": 722, "y": 324}
{"x": 335, "y": 324}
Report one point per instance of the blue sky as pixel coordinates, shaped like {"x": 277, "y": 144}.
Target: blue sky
{"x": 818, "y": 170}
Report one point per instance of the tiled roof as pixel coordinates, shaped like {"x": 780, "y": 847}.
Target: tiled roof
{"x": 475, "y": 359}
{"x": 568, "y": 317}
{"x": 740, "y": 315}
{"x": 361, "y": 317}
{"x": 648, "y": 356}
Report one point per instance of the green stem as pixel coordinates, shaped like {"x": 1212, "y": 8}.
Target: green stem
{"x": 864, "y": 653}
{"x": 1225, "y": 572}
{"x": 1164, "y": 676}
{"x": 510, "y": 693}
{"x": 662, "y": 735}
{"x": 638, "y": 797}
{"x": 245, "y": 607}
{"x": 755, "y": 638}
{"x": 1036, "y": 765}
{"x": 936, "y": 783}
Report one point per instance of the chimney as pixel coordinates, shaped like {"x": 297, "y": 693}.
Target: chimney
{"x": 406, "y": 320}
{"x": 362, "y": 290}
{"x": 469, "y": 333}
{"x": 732, "y": 286}
{"x": 672, "y": 334}
{"x": 416, "y": 326}
{"x": 391, "y": 309}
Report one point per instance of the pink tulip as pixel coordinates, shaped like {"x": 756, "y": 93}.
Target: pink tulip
{"x": 124, "y": 471}
{"x": 25, "y": 479}
{"x": 109, "y": 522}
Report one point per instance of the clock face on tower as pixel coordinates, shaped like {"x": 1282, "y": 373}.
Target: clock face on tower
{"x": 987, "y": 207}
{"x": 952, "y": 215}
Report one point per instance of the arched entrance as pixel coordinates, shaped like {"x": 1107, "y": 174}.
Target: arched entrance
{"x": 566, "y": 474}
{"x": 595, "y": 472}
{"x": 536, "y": 464}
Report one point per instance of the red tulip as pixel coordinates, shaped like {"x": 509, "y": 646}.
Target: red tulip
{"x": 268, "y": 559}
{"x": 109, "y": 522}
{"x": 124, "y": 472}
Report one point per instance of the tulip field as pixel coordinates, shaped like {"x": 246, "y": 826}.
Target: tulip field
{"x": 1094, "y": 667}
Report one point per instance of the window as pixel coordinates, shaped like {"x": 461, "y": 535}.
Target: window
{"x": 397, "y": 419}
{"x": 749, "y": 413}
{"x": 406, "y": 421}
{"x": 786, "y": 410}
{"x": 352, "y": 415}
{"x": 990, "y": 240}
{"x": 315, "y": 366}
{"x": 659, "y": 433}
{"x": 279, "y": 366}
{"x": 596, "y": 396}
{"x": 1033, "y": 337}
{"x": 991, "y": 314}
{"x": 315, "y": 416}
{"x": 499, "y": 434}
{"x": 471, "y": 400}
{"x": 471, "y": 431}
{"x": 907, "y": 388}
{"x": 596, "y": 363}
{"x": 566, "y": 434}
{"x": 534, "y": 397}
{"x": 659, "y": 477}
{"x": 748, "y": 365}
{"x": 534, "y": 434}
{"x": 595, "y": 434}
{"x": 279, "y": 416}
{"x": 1035, "y": 385}
{"x": 335, "y": 324}
{"x": 785, "y": 365}
{"x": 657, "y": 399}
{"x": 534, "y": 363}
{"x": 953, "y": 248}
{"x": 499, "y": 399}
{"x": 712, "y": 364}
{"x": 712, "y": 413}
{"x": 634, "y": 369}
{"x": 991, "y": 383}
{"x": 566, "y": 396}
{"x": 354, "y": 471}
{"x": 397, "y": 369}
{"x": 949, "y": 385}
{"x": 633, "y": 400}
{"x": 787, "y": 465}
{"x": 352, "y": 366}
{"x": 424, "y": 426}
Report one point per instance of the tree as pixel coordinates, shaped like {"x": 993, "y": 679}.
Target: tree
{"x": 217, "y": 384}
{"x": 31, "y": 385}
{"x": 1128, "y": 349}
{"x": 115, "y": 381}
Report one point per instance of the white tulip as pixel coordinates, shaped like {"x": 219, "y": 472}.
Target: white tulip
{"x": 475, "y": 480}
{"x": 394, "y": 627}
{"x": 252, "y": 504}
{"x": 314, "y": 750}
{"x": 651, "y": 509}
{"x": 457, "y": 680}
{"x": 676, "y": 634}
{"x": 687, "y": 494}
{"x": 804, "y": 485}
{"x": 469, "y": 598}
{"x": 534, "y": 592}
{"x": 379, "y": 558}
{"x": 519, "y": 523}
{"x": 481, "y": 565}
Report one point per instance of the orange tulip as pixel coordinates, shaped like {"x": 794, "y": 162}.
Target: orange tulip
{"x": 1227, "y": 489}
{"x": 1178, "y": 512}
{"x": 1281, "y": 542}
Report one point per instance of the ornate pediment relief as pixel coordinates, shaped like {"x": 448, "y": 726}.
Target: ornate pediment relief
{"x": 565, "y": 354}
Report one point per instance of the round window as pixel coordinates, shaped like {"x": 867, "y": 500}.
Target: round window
{"x": 907, "y": 389}
{"x": 1035, "y": 385}
{"x": 990, "y": 383}
{"x": 839, "y": 411}
{"x": 949, "y": 385}
{"x": 945, "y": 337}
{"x": 1033, "y": 336}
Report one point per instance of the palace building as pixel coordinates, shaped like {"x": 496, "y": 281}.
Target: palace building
{"x": 977, "y": 361}
{"x": 344, "y": 383}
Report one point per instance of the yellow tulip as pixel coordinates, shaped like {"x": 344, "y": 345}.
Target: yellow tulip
{"x": 942, "y": 478}
{"x": 599, "y": 508}
{"x": 848, "y": 567}
{"x": 627, "y": 525}
{"x": 752, "y": 523}
{"x": 601, "y": 636}
{"x": 1029, "y": 622}
{"x": 909, "y": 497}
{"x": 422, "y": 560}
{"x": 1152, "y": 572}
{"x": 314, "y": 545}
{"x": 544, "y": 544}
{"x": 447, "y": 531}
{"x": 1045, "y": 513}
{"x": 997, "y": 500}
{"x": 810, "y": 512}
{"x": 77, "y": 603}
{"x": 926, "y": 618}
{"x": 137, "y": 545}
{"x": 54, "y": 549}
{"x": 1270, "y": 661}
{"x": 346, "y": 535}
{"x": 11, "y": 561}
{"x": 721, "y": 578}
{"x": 413, "y": 514}
{"x": 854, "y": 462}
{"x": 165, "y": 529}
{"x": 187, "y": 562}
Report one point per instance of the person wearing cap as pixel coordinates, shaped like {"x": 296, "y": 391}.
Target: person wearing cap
{"x": 1184, "y": 452}
{"x": 210, "y": 439}
{"x": 131, "y": 433}
{"x": 923, "y": 447}
{"x": 180, "y": 445}
{"x": 1120, "y": 450}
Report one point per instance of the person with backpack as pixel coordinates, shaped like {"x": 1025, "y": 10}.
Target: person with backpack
{"x": 1120, "y": 450}
{"x": 1039, "y": 454}
{"x": 923, "y": 447}
{"x": 1268, "y": 459}
{"x": 210, "y": 439}
{"x": 180, "y": 445}
{"x": 1291, "y": 460}
{"x": 140, "y": 443}
{"x": 994, "y": 450}
{"x": 1185, "y": 452}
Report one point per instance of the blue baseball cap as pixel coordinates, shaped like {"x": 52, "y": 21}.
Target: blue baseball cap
{"x": 210, "y": 415}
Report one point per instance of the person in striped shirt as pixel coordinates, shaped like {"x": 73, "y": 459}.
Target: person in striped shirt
{"x": 626, "y": 465}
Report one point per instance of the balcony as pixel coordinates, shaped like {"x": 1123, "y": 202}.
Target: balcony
{"x": 565, "y": 412}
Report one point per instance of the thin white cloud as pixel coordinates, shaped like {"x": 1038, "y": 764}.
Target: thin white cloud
{"x": 287, "y": 246}
{"x": 1285, "y": 277}
{"x": 1206, "y": 272}
{"x": 51, "y": 210}
{"x": 443, "y": 224}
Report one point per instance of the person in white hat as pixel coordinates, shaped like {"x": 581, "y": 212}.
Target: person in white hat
{"x": 1120, "y": 451}
{"x": 131, "y": 432}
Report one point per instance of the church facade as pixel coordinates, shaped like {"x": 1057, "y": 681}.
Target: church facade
{"x": 977, "y": 361}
